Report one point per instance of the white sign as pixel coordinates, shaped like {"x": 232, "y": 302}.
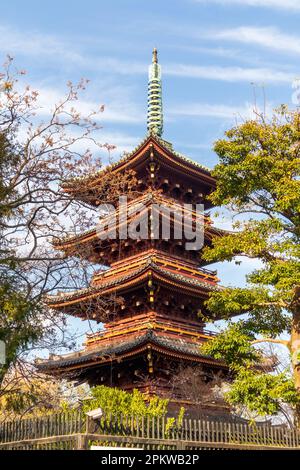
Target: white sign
{"x": 95, "y": 414}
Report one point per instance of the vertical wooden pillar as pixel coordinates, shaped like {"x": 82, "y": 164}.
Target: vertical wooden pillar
{"x": 81, "y": 442}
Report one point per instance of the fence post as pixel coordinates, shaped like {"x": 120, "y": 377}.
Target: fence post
{"x": 81, "y": 442}
{"x": 180, "y": 445}
{"x": 90, "y": 425}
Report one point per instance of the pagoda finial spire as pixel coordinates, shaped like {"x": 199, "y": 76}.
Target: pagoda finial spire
{"x": 155, "y": 112}
{"x": 154, "y": 56}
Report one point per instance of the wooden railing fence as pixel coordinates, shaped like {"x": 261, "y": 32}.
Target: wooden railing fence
{"x": 74, "y": 430}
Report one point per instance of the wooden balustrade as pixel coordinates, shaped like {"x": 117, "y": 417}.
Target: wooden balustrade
{"x": 74, "y": 430}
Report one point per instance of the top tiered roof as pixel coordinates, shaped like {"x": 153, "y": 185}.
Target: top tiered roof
{"x": 152, "y": 148}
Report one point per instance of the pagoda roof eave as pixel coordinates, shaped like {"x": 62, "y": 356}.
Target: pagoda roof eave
{"x": 90, "y": 235}
{"x": 130, "y": 159}
{"x": 193, "y": 285}
{"x": 173, "y": 347}
{"x": 147, "y": 199}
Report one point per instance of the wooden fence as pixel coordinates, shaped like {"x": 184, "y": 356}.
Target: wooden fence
{"x": 73, "y": 430}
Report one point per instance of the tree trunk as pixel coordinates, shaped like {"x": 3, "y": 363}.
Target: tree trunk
{"x": 295, "y": 347}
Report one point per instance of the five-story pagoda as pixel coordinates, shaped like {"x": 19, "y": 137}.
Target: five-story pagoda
{"x": 156, "y": 324}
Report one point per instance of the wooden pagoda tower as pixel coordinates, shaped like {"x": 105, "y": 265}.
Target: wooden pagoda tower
{"x": 156, "y": 324}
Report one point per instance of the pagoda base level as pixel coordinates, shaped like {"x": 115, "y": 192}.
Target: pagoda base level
{"x": 194, "y": 386}
{"x": 164, "y": 365}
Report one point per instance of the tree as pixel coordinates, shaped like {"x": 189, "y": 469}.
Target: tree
{"x": 199, "y": 387}
{"x": 261, "y": 384}
{"x": 26, "y": 394}
{"x": 116, "y": 402}
{"x": 258, "y": 180}
{"x": 39, "y": 151}
{"x": 119, "y": 403}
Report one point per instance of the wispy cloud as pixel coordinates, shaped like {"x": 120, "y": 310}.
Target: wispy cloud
{"x": 270, "y": 37}
{"x": 209, "y": 110}
{"x": 221, "y": 111}
{"x": 45, "y": 46}
{"x": 291, "y": 5}
{"x": 229, "y": 74}
{"x": 118, "y": 109}
{"x": 122, "y": 141}
{"x": 34, "y": 44}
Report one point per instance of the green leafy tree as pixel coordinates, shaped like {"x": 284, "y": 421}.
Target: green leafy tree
{"x": 258, "y": 180}
{"x": 262, "y": 393}
{"x": 116, "y": 401}
{"x": 18, "y": 328}
{"x": 253, "y": 386}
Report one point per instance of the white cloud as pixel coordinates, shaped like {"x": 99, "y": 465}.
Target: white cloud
{"x": 45, "y": 46}
{"x": 290, "y": 5}
{"x": 32, "y": 43}
{"x": 214, "y": 110}
{"x": 122, "y": 141}
{"x": 117, "y": 110}
{"x": 267, "y": 37}
{"x": 48, "y": 97}
{"x": 229, "y": 74}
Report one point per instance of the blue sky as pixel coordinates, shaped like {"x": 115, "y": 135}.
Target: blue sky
{"x": 210, "y": 52}
{"x": 215, "y": 56}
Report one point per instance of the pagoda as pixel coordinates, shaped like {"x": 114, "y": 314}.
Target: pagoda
{"x": 150, "y": 295}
